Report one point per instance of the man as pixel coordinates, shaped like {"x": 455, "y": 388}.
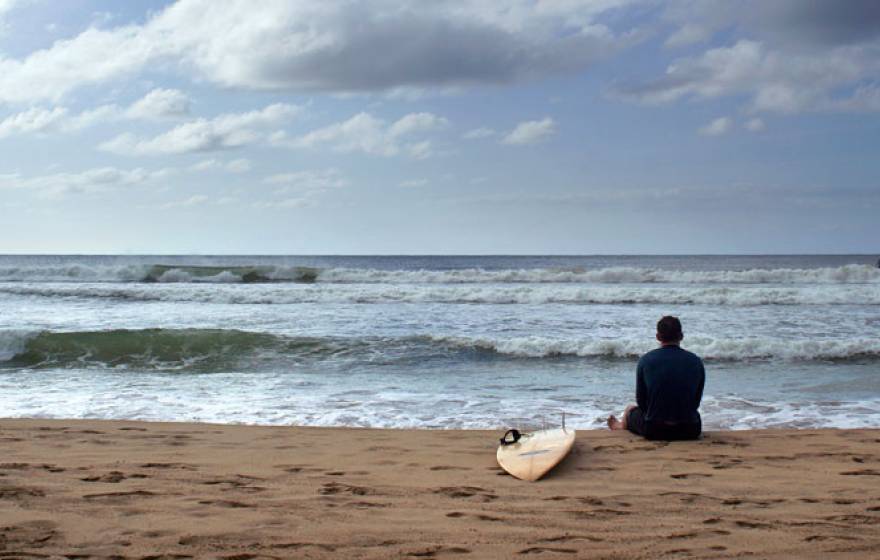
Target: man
{"x": 669, "y": 386}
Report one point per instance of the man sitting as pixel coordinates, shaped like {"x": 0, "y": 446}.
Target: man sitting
{"x": 669, "y": 386}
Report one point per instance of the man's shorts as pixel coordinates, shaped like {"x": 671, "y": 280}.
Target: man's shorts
{"x": 637, "y": 424}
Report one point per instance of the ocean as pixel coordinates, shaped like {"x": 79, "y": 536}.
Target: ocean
{"x": 434, "y": 342}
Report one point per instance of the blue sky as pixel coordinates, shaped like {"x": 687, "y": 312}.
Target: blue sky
{"x": 578, "y": 127}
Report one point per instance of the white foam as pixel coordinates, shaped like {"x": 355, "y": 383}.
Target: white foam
{"x": 477, "y": 294}
{"x": 848, "y": 274}
{"x": 706, "y": 347}
{"x": 13, "y": 341}
{"x": 736, "y": 413}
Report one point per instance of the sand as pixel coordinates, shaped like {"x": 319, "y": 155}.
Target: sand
{"x": 101, "y": 489}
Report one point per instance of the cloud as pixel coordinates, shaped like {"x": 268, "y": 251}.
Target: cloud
{"x": 699, "y": 198}
{"x": 785, "y": 56}
{"x": 310, "y": 181}
{"x": 327, "y": 46}
{"x": 754, "y": 125}
{"x": 96, "y": 180}
{"x": 790, "y": 22}
{"x": 530, "y": 132}
{"x": 7, "y": 6}
{"x": 412, "y": 183}
{"x": 156, "y": 104}
{"x": 365, "y": 133}
{"x": 476, "y": 133}
{"x": 717, "y": 127}
{"x": 160, "y": 103}
{"x": 240, "y": 165}
{"x": 32, "y": 120}
{"x": 300, "y": 189}
{"x": 195, "y": 200}
{"x": 300, "y": 202}
{"x": 230, "y": 130}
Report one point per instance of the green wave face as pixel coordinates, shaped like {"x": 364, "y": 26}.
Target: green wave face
{"x": 155, "y": 349}
{"x": 243, "y": 274}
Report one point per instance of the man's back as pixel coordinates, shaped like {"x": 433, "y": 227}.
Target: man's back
{"x": 669, "y": 385}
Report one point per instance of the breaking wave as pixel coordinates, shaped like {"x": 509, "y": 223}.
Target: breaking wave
{"x": 736, "y": 295}
{"x": 232, "y": 350}
{"x": 161, "y": 273}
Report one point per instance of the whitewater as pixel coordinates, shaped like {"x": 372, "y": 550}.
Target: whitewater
{"x": 433, "y": 342}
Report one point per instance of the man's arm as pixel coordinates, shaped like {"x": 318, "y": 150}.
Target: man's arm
{"x": 701, "y": 384}
{"x": 641, "y": 388}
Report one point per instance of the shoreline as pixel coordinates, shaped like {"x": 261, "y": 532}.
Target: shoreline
{"x": 129, "y": 489}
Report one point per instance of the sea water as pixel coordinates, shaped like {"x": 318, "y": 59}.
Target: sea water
{"x": 433, "y": 342}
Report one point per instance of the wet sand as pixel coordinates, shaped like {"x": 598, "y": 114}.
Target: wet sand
{"x": 106, "y": 489}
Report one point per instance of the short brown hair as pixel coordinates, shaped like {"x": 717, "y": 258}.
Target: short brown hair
{"x": 669, "y": 329}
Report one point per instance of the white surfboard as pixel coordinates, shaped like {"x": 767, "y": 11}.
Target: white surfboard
{"x": 535, "y": 453}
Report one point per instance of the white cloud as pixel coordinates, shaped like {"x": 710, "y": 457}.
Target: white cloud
{"x": 300, "y": 202}
{"x": 717, "y": 127}
{"x": 97, "y": 180}
{"x": 300, "y": 189}
{"x": 194, "y": 200}
{"x": 310, "y": 181}
{"x": 773, "y": 79}
{"x": 155, "y": 104}
{"x": 530, "y": 132}
{"x": 32, "y": 120}
{"x": 7, "y": 6}
{"x": 482, "y": 132}
{"x": 234, "y": 166}
{"x": 240, "y": 165}
{"x": 411, "y": 183}
{"x": 416, "y": 122}
{"x": 688, "y": 34}
{"x": 160, "y": 103}
{"x": 420, "y": 150}
{"x": 754, "y": 125}
{"x": 366, "y": 133}
{"x": 326, "y": 46}
{"x": 229, "y": 130}
{"x": 206, "y": 165}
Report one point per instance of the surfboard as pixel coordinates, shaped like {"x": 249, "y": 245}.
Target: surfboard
{"x": 535, "y": 453}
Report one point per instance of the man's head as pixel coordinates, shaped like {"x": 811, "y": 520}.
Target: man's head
{"x": 669, "y": 330}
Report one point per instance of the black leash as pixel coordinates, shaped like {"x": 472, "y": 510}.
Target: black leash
{"x": 514, "y": 434}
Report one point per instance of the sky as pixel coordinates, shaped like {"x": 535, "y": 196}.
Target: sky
{"x": 442, "y": 127}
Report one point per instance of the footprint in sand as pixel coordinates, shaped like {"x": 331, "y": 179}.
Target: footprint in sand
{"x": 693, "y": 534}
{"x": 437, "y": 551}
{"x": 862, "y": 472}
{"x": 183, "y": 466}
{"x": 31, "y": 534}
{"x": 569, "y": 538}
{"x": 112, "y": 496}
{"x": 753, "y": 525}
{"x": 465, "y": 492}
{"x": 112, "y": 477}
{"x": 332, "y": 488}
{"x": 542, "y": 549}
{"x": 480, "y": 516}
{"x": 232, "y": 504}
{"x": 18, "y": 492}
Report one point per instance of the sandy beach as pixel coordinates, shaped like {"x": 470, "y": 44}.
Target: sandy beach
{"x": 108, "y": 489}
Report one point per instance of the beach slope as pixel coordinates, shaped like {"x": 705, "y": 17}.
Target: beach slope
{"x": 100, "y": 489}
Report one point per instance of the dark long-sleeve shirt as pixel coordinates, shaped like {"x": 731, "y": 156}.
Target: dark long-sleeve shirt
{"x": 669, "y": 385}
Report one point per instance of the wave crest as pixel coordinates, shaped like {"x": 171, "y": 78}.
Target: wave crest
{"x": 162, "y": 273}
{"x": 739, "y": 296}
{"x": 204, "y": 350}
